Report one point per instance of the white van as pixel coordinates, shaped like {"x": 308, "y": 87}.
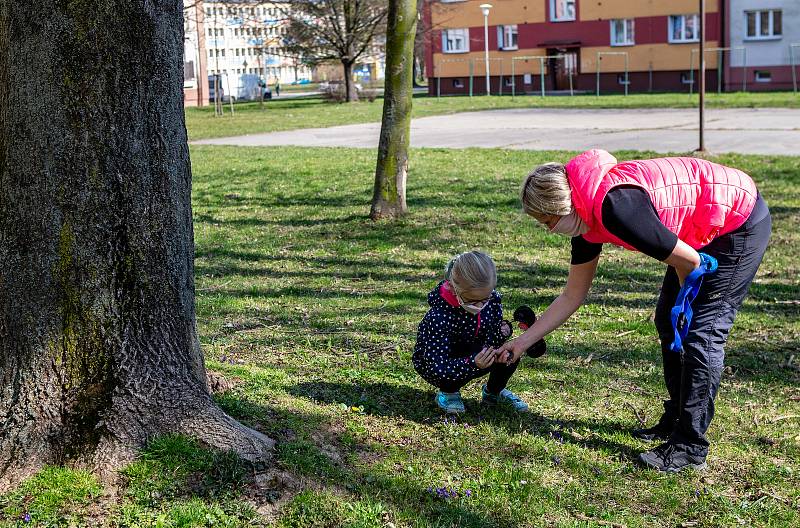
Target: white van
{"x": 242, "y": 87}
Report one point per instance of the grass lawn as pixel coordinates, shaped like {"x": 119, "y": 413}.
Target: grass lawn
{"x": 310, "y": 310}
{"x": 289, "y": 114}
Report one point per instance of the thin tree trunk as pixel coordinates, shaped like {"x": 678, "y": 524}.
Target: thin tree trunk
{"x": 389, "y": 198}
{"x": 350, "y": 94}
{"x": 98, "y": 344}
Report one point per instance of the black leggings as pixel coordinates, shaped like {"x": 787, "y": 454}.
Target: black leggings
{"x": 692, "y": 377}
{"x": 499, "y": 374}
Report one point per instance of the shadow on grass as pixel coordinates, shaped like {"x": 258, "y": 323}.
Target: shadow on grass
{"x": 323, "y": 460}
{"x": 399, "y": 401}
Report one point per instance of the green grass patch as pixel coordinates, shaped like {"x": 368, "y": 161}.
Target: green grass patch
{"x": 290, "y": 114}
{"x": 54, "y": 497}
{"x": 312, "y": 309}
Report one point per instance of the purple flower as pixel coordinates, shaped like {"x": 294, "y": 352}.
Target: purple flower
{"x": 26, "y": 518}
{"x": 556, "y": 460}
{"x": 468, "y": 493}
{"x": 696, "y": 493}
{"x": 557, "y": 436}
{"x": 596, "y": 471}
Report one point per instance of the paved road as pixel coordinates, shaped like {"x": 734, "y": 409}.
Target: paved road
{"x": 743, "y": 130}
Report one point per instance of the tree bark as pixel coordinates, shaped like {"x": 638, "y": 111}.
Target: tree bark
{"x": 98, "y": 343}
{"x": 350, "y": 94}
{"x": 389, "y": 198}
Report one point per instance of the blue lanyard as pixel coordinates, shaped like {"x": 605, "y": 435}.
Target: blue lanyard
{"x": 682, "y": 311}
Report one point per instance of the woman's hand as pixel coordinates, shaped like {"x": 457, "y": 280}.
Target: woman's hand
{"x": 684, "y": 259}
{"x": 485, "y": 358}
{"x": 512, "y": 350}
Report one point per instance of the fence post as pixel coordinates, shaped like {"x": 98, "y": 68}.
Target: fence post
{"x": 471, "y": 72}
{"x": 597, "y": 77}
{"x": 513, "y": 80}
{"x": 744, "y": 69}
{"x": 627, "y": 79}
{"x": 541, "y": 74}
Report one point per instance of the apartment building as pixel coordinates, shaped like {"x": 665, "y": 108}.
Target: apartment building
{"x": 245, "y": 38}
{"x": 764, "y": 37}
{"x": 560, "y": 45}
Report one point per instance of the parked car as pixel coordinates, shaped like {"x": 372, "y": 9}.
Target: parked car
{"x": 266, "y": 92}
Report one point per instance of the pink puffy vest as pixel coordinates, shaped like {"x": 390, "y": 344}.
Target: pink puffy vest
{"x": 696, "y": 199}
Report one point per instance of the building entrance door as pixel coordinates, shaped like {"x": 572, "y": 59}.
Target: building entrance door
{"x": 562, "y": 68}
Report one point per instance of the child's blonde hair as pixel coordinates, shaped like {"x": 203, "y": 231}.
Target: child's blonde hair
{"x": 546, "y": 191}
{"x": 470, "y": 271}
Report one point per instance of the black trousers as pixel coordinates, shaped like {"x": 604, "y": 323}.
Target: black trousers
{"x": 692, "y": 377}
{"x": 499, "y": 374}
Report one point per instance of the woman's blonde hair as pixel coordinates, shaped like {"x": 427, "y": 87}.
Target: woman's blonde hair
{"x": 546, "y": 191}
{"x": 470, "y": 271}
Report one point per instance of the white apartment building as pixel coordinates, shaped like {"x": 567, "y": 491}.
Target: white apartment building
{"x": 764, "y": 34}
{"x": 247, "y": 38}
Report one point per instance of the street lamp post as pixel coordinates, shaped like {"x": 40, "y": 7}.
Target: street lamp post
{"x": 485, "y": 8}
{"x": 702, "y": 90}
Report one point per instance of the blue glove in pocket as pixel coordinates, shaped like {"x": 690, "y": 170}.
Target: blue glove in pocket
{"x": 682, "y": 312}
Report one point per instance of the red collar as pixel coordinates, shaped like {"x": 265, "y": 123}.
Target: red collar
{"x": 448, "y": 295}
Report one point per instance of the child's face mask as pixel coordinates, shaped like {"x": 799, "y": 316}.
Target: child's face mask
{"x": 473, "y": 307}
{"x": 570, "y": 225}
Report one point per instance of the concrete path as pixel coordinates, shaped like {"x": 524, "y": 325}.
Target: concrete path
{"x": 743, "y": 130}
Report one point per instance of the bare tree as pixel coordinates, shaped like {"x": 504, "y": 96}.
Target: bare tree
{"x": 389, "y": 197}
{"x": 328, "y": 30}
{"x": 98, "y": 343}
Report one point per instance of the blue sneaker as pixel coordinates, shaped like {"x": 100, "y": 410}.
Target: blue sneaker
{"x": 507, "y": 397}
{"x": 450, "y": 402}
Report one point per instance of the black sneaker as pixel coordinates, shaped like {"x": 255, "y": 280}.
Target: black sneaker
{"x": 671, "y": 459}
{"x": 659, "y": 431}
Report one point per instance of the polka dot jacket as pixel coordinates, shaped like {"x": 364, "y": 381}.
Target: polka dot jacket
{"x": 449, "y": 337}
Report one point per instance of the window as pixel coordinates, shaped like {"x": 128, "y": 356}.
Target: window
{"x": 764, "y": 24}
{"x": 686, "y": 78}
{"x": 622, "y": 32}
{"x": 684, "y": 28}
{"x": 623, "y": 79}
{"x": 507, "y": 37}
{"x": 508, "y": 81}
{"x": 562, "y": 10}
{"x": 458, "y": 83}
{"x": 763, "y": 76}
{"x": 455, "y": 40}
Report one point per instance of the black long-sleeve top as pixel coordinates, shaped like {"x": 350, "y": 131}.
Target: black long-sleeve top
{"x": 629, "y": 214}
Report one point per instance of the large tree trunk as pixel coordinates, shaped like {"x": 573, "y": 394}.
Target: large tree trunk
{"x": 389, "y": 198}
{"x": 98, "y": 345}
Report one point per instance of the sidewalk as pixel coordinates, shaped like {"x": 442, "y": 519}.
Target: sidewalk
{"x": 741, "y": 130}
